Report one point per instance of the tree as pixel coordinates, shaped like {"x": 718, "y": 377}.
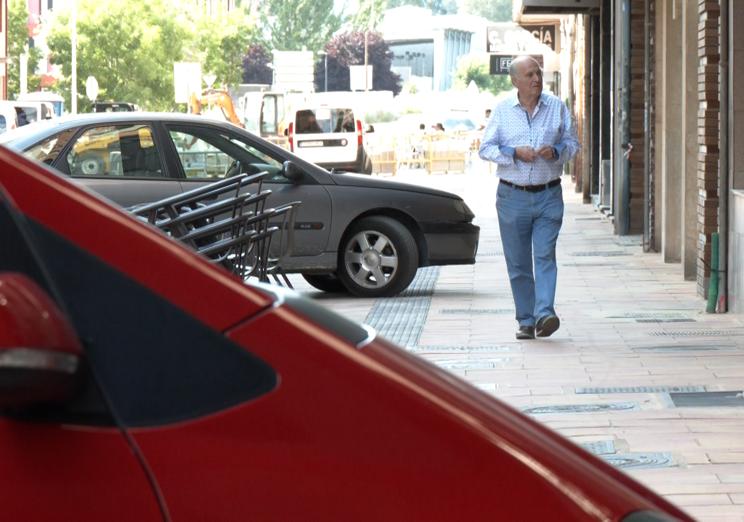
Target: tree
{"x": 369, "y": 14}
{"x": 255, "y": 65}
{"x": 476, "y": 69}
{"x": 294, "y": 25}
{"x": 493, "y": 10}
{"x": 17, "y": 45}
{"x": 348, "y": 49}
{"x": 220, "y": 44}
{"x": 435, "y": 6}
{"x": 129, "y": 47}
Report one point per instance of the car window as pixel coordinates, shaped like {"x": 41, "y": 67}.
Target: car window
{"x": 116, "y": 150}
{"x": 46, "y": 151}
{"x": 210, "y": 154}
{"x": 324, "y": 120}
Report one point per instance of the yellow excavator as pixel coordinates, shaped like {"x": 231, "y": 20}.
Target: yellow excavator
{"x": 215, "y": 98}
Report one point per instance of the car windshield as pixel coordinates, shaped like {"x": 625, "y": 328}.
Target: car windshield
{"x": 323, "y": 121}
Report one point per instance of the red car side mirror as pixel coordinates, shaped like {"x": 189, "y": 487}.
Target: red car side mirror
{"x": 40, "y": 354}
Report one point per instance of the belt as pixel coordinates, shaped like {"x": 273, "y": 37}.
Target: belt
{"x": 532, "y": 188}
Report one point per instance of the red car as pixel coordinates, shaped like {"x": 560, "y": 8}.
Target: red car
{"x": 140, "y": 382}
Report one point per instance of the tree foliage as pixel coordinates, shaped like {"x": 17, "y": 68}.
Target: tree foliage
{"x": 347, "y": 49}
{"x": 220, "y": 44}
{"x": 436, "y": 6}
{"x": 493, "y": 10}
{"x": 294, "y": 25}
{"x": 255, "y": 65}
{"x": 17, "y": 45}
{"x": 476, "y": 69}
{"x": 129, "y": 47}
{"x": 369, "y": 14}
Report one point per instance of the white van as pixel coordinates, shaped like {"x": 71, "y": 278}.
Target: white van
{"x": 8, "y": 116}
{"x": 331, "y": 137}
{"x": 31, "y": 111}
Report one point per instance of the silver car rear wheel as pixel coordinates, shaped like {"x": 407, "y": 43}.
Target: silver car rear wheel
{"x": 379, "y": 257}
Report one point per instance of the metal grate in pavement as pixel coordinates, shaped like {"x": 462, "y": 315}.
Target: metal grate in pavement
{"x": 581, "y": 408}
{"x": 592, "y": 218}
{"x": 476, "y": 364}
{"x": 640, "y": 389}
{"x": 492, "y": 253}
{"x": 657, "y": 321}
{"x": 605, "y": 449}
{"x": 640, "y": 460}
{"x": 463, "y": 348}
{"x": 401, "y": 319}
{"x": 697, "y": 333}
{"x": 599, "y": 447}
{"x": 601, "y": 253}
{"x": 653, "y": 316}
{"x": 476, "y": 311}
{"x": 685, "y": 348}
{"x": 581, "y": 265}
{"x": 708, "y": 399}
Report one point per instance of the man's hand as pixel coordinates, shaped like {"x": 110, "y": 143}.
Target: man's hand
{"x": 527, "y": 154}
{"x": 546, "y": 152}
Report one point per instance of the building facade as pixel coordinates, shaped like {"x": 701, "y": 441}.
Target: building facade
{"x": 663, "y": 130}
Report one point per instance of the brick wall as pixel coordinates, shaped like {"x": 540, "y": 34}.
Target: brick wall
{"x": 637, "y": 107}
{"x": 708, "y": 126}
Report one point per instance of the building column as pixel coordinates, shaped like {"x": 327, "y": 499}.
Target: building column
{"x": 708, "y": 134}
{"x": 689, "y": 90}
{"x": 735, "y": 156}
{"x": 669, "y": 128}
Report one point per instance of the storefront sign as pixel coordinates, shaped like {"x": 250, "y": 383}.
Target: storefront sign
{"x": 500, "y": 62}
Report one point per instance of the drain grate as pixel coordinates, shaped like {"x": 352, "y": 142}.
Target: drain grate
{"x": 639, "y": 460}
{"x": 599, "y": 447}
{"x": 476, "y": 311}
{"x": 641, "y": 389}
{"x": 697, "y": 333}
{"x": 479, "y": 364}
{"x": 657, "y": 321}
{"x": 601, "y": 253}
{"x": 582, "y": 408}
{"x": 683, "y": 348}
{"x": 462, "y": 348}
{"x": 654, "y": 317}
{"x": 401, "y": 319}
{"x": 581, "y": 265}
{"x": 708, "y": 399}
{"x": 490, "y": 254}
{"x": 592, "y": 218}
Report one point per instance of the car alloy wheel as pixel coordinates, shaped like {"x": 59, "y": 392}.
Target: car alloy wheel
{"x": 379, "y": 257}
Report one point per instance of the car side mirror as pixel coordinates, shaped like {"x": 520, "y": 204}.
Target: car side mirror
{"x": 291, "y": 171}
{"x": 40, "y": 354}
{"x": 370, "y": 128}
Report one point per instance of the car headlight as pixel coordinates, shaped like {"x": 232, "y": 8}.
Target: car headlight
{"x": 462, "y": 208}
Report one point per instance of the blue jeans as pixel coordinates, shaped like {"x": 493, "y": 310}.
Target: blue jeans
{"x": 529, "y": 223}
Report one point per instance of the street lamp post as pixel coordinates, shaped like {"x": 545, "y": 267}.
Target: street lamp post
{"x": 325, "y": 69}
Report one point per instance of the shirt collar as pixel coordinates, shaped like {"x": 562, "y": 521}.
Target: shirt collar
{"x": 515, "y": 99}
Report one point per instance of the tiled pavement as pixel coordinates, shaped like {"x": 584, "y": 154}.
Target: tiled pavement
{"x": 628, "y": 374}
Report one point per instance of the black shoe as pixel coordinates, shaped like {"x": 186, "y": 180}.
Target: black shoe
{"x": 547, "y": 325}
{"x": 526, "y": 332}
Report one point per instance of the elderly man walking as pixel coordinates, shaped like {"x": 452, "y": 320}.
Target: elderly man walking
{"x": 530, "y": 136}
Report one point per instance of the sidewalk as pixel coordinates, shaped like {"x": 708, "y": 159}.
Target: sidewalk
{"x": 638, "y": 373}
